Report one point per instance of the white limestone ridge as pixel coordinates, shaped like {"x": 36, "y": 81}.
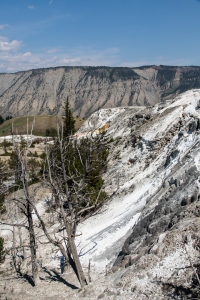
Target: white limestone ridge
{"x": 146, "y": 139}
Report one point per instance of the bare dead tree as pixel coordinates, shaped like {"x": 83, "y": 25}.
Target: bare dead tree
{"x": 20, "y": 234}
{"x": 22, "y": 155}
{"x": 73, "y": 171}
{"x": 26, "y": 203}
{"x": 74, "y": 166}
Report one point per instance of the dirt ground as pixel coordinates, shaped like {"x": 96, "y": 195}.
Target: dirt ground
{"x": 53, "y": 285}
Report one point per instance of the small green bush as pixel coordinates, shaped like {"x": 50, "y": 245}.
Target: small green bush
{"x": 117, "y": 155}
{"x": 1, "y": 120}
{"x": 2, "y": 251}
{"x": 43, "y": 155}
{"x": 118, "y": 138}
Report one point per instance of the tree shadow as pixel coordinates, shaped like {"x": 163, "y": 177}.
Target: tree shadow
{"x": 57, "y": 277}
{"x": 29, "y": 279}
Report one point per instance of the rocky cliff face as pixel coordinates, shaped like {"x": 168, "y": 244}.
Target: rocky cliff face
{"x": 43, "y": 91}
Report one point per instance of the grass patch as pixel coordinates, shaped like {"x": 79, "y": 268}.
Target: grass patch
{"x": 6, "y": 154}
{"x": 41, "y": 124}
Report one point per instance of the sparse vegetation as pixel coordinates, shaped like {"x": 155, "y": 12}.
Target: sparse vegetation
{"x": 117, "y": 155}
{"x": 117, "y": 139}
{"x": 1, "y": 120}
{"x": 123, "y": 74}
{"x": 43, "y": 155}
{"x": 2, "y": 251}
{"x": 33, "y": 154}
{"x": 44, "y": 125}
{"x": 74, "y": 174}
{"x": 51, "y": 132}
{"x": 5, "y": 144}
{"x": 33, "y": 169}
{"x": 165, "y": 75}
{"x": 73, "y": 170}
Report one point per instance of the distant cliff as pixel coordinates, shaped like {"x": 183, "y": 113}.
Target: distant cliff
{"x": 43, "y": 91}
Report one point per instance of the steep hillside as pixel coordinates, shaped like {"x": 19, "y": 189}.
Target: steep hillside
{"x": 43, "y": 91}
{"x": 146, "y": 236}
{"x": 153, "y": 218}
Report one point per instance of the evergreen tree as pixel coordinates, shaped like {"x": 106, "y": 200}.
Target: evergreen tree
{"x": 33, "y": 168}
{"x": 2, "y": 252}
{"x": 1, "y": 120}
{"x": 5, "y": 144}
{"x": 14, "y": 165}
{"x": 3, "y": 177}
{"x": 74, "y": 174}
{"x": 69, "y": 122}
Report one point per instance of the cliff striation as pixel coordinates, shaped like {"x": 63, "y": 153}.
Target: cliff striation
{"x": 43, "y": 91}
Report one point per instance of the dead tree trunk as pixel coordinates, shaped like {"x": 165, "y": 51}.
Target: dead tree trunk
{"x": 69, "y": 185}
{"x": 73, "y": 251}
{"x": 20, "y": 238}
{"x": 22, "y": 155}
{"x": 35, "y": 271}
{"x": 70, "y": 226}
{"x": 14, "y": 254}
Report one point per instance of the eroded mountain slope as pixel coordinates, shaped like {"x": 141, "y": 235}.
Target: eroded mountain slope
{"x": 43, "y": 91}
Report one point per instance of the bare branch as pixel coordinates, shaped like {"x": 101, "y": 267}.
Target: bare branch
{"x": 14, "y": 224}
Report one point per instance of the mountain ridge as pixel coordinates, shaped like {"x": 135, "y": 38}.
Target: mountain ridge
{"x": 43, "y": 91}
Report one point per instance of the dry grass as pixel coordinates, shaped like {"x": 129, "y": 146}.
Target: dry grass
{"x": 41, "y": 124}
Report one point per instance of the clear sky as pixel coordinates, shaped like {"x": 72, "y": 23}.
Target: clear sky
{"x": 130, "y": 33}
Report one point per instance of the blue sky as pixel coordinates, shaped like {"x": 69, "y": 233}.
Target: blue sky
{"x": 129, "y": 33}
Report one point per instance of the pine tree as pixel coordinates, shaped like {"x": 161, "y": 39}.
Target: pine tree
{"x": 2, "y": 178}
{"x": 2, "y": 252}
{"x": 75, "y": 168}
{"x": 69, "y": 122}
{"x": 1, "y": 120}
